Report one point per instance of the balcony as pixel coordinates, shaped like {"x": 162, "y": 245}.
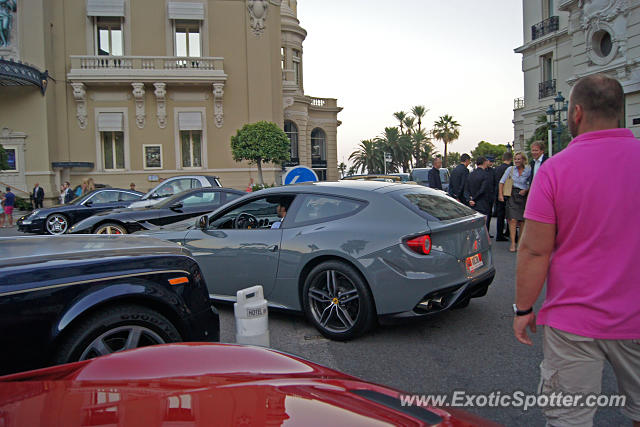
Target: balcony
{"x": 546, "y": 88}
{"x": 545, "y": 27}
{"x": 326, "y": 104}
{"x": 124, "y": 69}
{"x": 518, "y": 103}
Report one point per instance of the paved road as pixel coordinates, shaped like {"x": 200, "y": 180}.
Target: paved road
{"x": 470, "y": 349}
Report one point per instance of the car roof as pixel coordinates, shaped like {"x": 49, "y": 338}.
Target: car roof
{"x": 352, "y": 188}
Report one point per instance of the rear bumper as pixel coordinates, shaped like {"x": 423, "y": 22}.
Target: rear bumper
{"x": 444, "y": 299}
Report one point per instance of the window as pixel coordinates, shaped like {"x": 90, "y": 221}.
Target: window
{"x": 433, "y": 206}
{"x": 191, "y": 141}
{"x": 11, "y": 159}
{"x": 547, "y": 67}
{"x": 296, "y": 66}
{"x": 283, "y": 57}
{"x": 176, "y": 186}
{"x": 127, "y": 197}
{"x": 291, "y": 130}
{"x": 318, "y": 145}
{"x": 152, "y": 155}
{"x": 113, "y": 149}
{"x": 105, "y": 197}
{"x": 187, "y": 38}
{"x": 323, "y": 208}
{"x": 547, "y": 9}
{"x": 256, "y": 214}
{"x": 109, "y": 36}
{"x": 202, "y": 198}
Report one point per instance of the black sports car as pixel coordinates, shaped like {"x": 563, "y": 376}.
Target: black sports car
{"x": 181, "y": 206}
{"x": 58, "y": 219}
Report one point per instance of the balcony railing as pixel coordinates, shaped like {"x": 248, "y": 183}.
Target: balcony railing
{"x": 545, "y": 27}
{"x": 103, "y": 67}
{"x": 546, "y": 88}
{"x": 518, "y": 103}
{"x": 323, "y": 102}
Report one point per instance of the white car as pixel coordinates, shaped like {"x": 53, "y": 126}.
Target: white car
{"x": 174, "y": 185}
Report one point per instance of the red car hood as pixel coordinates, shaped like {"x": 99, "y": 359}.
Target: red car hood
{"x": 205, "y": 384}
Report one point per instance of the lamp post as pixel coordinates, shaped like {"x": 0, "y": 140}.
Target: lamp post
{"x": 556, "y": 116}
{"x": 387, "y": 159}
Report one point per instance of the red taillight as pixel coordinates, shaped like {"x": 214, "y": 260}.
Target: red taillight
{"x": 421, "y": 245}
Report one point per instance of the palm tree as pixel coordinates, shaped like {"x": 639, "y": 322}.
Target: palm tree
{"x": 342, "y": 167}
{"x": 419, "y": 111}
{"x": 391, "y": 141}
{"x": 400, "y": 115}
{"x": 368, "y": 157}
{"x": 421, "y": 148}
{"x": 447, "y": 130}
{"x": 408, "y": 122}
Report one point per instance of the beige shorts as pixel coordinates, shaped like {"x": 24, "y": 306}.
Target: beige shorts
{"x": 573, "y": 365}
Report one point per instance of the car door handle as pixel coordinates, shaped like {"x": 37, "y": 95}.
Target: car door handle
{"x": 273, "y": 248}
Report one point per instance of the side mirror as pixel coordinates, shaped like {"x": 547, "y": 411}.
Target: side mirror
{"x": 154, "y": 196}
{"x": 88, "y": 203}
{"x": 175, "y": 206}
{"x": 203, "y": 222}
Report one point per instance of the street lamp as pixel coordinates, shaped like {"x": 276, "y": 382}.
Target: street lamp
{"x": 387, "y": 159}
{"x": 556, "y": 116}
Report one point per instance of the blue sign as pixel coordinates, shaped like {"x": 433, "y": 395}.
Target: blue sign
{"x": 299, "y": 174}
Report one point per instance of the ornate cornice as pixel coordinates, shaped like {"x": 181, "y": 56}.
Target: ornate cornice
{"x": 161, "y": 100}
{"x": 138, "y": 95}
{"x": 258, "y": 11}
{"x": 218, "y": 110}
{"x": 80, "y": 95}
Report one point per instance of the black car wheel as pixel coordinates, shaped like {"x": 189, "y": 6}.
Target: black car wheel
{"x": 111, "y": 228}
{"x": 116, "y": 329}
{"x": 56, "y": 224}
{"x": 337, "y": 300}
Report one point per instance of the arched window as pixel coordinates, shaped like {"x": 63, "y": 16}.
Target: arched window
{"x": 291, "y": 130}
{"x": 318, "y": 145}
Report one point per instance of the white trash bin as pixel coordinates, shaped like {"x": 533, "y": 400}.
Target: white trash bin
{"x": 252, "y": 317}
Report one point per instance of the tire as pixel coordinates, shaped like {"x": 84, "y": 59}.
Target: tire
{"x": 110, "y": 228}
{"x": 115, "y": 329}
{"x": 337, "y": 300}
{"x": 56, "y": 224}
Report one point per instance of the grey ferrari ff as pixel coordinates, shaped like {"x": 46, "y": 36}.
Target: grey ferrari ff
{"x": 345, "y": 253}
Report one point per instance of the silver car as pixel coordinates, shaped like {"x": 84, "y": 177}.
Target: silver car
{"x": 175, "y": 185}
{"x": 346, "y": 253}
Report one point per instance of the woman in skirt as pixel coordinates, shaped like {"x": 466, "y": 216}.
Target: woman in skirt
{"x": 515, "y": 205}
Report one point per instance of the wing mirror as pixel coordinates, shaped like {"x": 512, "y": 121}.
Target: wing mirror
{"x": 175, "y": 206}
{"x": 203, "y": 222}
{"x": 88, "y": 203}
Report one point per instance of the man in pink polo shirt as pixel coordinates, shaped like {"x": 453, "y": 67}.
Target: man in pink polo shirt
{"x": 583, "y": 237}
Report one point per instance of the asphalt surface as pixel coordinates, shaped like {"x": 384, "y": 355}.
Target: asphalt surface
{"x": 470, "y": 349}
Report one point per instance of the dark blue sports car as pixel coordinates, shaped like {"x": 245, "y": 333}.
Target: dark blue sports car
{"x": 58, "y": 219}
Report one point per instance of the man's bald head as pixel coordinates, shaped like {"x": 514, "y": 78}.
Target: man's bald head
{"x": 600, "y": 98}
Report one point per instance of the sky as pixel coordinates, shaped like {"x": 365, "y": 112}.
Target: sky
{"x": 377, "y": 57}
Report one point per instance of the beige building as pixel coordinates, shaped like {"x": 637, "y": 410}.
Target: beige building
{"x": 134, "y": 90}
{"x": 568, "y": 39}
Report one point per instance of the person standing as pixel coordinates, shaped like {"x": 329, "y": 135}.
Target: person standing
{"x": 590, "y": 312}
{"x": 492, "y": 175}
{"x": 459, "y": 177}
{"x": 478, "y": 188}
{"x": 537, "y": 152}
{"x": 519, "y": 173}
{"x": 132, "y": 186}
{"x": 9, "y": 200}
{"x": 38, "y": 196}
{"x": 67, "y": 194}
{"x": 501, "y": 206}
{"x": 434, "y": 174}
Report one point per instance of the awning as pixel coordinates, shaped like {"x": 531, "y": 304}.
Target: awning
{"x": 18, "y": 74}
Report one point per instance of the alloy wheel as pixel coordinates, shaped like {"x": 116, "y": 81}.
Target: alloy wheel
{"x": 334, "y": 301}
{"x": 111, "y": 229}
{"x": 57, "y": 224}
{"x": 119, "y": 339}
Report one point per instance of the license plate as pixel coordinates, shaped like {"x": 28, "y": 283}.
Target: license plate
{"x": 474, "y": 263}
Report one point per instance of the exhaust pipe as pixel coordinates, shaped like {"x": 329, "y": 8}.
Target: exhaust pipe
{"x": 432, "y": 303}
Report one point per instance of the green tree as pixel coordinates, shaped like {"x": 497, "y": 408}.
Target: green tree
{"x": 453, "y": 159}
{"x": 409, "y": 123}
{"x": 398, "y": 145}
{"x": 418, "y": 112}
{"x": 446, "y": 130}
{"x": 4, "y": 161}
{"x": 261, "y": 142}
{"x": 400, "y": 115}
{"x": 542, "y": 134}
{"x": 368, "y": 157}
{"x": 342, "y": 167}
{"x": 485, "y": 149}
{"x": 422, "y": 148}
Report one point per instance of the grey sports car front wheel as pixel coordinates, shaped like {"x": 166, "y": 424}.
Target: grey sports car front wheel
{"x": 337, "y": 300}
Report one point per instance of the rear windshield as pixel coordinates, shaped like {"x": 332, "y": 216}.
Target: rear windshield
{"x": 436, "y": 206}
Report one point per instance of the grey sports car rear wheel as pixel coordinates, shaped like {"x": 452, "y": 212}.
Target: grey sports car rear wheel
{"x": 111, "y": 228}
{"x": 337, "y": 301}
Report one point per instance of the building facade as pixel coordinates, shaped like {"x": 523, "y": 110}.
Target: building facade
{"x": 135, "y": 90}
{"x": 568, "y": 39}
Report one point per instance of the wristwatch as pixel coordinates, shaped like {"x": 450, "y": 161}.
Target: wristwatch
{"x": 521, "y": 312}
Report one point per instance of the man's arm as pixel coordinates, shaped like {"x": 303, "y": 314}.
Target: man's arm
{"x": 432, "y": 179}
{"x": 536, "y": 246}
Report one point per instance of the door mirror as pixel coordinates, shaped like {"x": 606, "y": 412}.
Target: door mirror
{"x": 88, "y": 203}
{"x": 203, "y": 222}
{"x": 177, "y": 205}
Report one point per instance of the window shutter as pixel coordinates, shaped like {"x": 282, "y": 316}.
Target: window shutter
{"x": 191, "y": 120}
{"x": 110, "y": 122}
{"x": 193, "y": 11}
{"x": 105, "y": 8}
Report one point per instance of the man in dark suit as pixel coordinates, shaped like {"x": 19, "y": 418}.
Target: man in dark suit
{"x": 68, "y": 194}
{"x": 434, "y": 174}
{"x": 538, "y": 157}
{"x": 478, "y": 189}
{"x": 458, "y": 179}
{"x": 492, "y": 174}
{"x": 38, "y": 196}
{"x": 501, "y": 206}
